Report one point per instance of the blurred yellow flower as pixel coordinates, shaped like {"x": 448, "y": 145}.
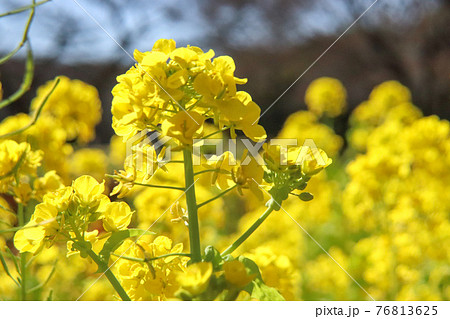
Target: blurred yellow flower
{"x": 236, "y": 274}
{"x": 196, "y": 277}
{"x": 74, "y": 104}
{"x": 326, "y": 96}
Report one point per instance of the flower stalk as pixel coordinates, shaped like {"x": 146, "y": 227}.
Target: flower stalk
{"x": 191, "y": 202}
{"x": 23, "y": 259}
{"x": 103, "y": 267}
{"x": 249, "y": 231}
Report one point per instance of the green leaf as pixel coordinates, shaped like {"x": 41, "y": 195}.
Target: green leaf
{"x": 251, "y": 266}
{"x": 5, "y": 267}
{"x": 117, "y": 239}
{"x": 257, "y": 288}
{"x": 306, "y": 197}
{"x": 212, "y": 255}
{"x": 263, "y": 292}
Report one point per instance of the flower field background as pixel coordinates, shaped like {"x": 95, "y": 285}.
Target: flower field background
{"x": 363, "y": 216}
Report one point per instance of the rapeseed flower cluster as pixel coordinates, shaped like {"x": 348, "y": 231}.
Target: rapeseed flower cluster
{"x": 67, "y": 213}
{"x": 178, "y": 89}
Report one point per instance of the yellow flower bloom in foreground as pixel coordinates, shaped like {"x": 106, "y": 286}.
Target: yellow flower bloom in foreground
{"x": 184, "y": 126}
{"x": 45, "y": 215}
{"x": 29, "y": 239}
{"x": 314, "y": 160}
{"x": 74, "y": 104}
{"x": 247, "y": 174}
{"x": 117, "y": 216}
{"x": 170, "y": 80}
{"x": 59, "y": 198}
{"x": 241, "y": 113}
{"x": 326, "y": 96}
{"x": 311, "y": 160}
{"x": 149, "y": 281}
{"x": 236, "y": 274}
{"x": 196, "y": 278}
{"x": 88, "y": 192}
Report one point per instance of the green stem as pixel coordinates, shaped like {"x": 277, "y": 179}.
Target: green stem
{"x": 212, "y": 170}
{"x": 216, "y": 132}
{"x": 24, "y": 36}
{"x": 249, "y": 231}
{"x": 21, "y": 9}
{"x": 26, "y": 81}
{"x": 36, "y": 114}
{"x": 216, "y": 197}
{"x": 23, "y": 259}
{"x": 103, "y": 267}
{"x": 160, "y": 186}
{"x": 194, "y": 232}
{"x": 14, "y": 229}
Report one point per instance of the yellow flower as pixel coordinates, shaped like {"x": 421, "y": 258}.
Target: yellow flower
{"x": 389, "y": 94}
{"x": 164, "y": 45}
{"x": 196, "y": 277}
{"x": 7, "y": 215}
{"x": 303, "y": 125}
{"x": 22, "y": 192}
{"x": 117, "y": 216}
{"x": 184, "y": 126}
{"x": 247, "y": 174}
{"x": 89, "y": 161}
{"x": 59, "y": 198}
{"x": 314, "y": 160}
{"x": 326, "y": 95}
{"x": 149, "y": 281}
{"x": 243, "y": 114}
{"x": 18, "y": 160}
{"x": 29, "y": 239}
{"x": 220, "y": 83}
{"x": 224, "y": 164}
{"x": 74, "y": 104}
{"x": 88, "y": 192}
{"x": 171, "y": 80}
{"x": 48, "y": 183}
{"x": 236, "y": 274}
{"x": 45, "y": 216}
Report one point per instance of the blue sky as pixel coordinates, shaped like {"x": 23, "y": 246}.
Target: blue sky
{"x": 89, "y": 43}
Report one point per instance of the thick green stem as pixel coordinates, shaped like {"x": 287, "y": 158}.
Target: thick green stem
{"x": 103, "y": 267}
{"x": 194, "y": 233}
{"x": 248, "y": 232}
{"x": 23, "y": 259}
